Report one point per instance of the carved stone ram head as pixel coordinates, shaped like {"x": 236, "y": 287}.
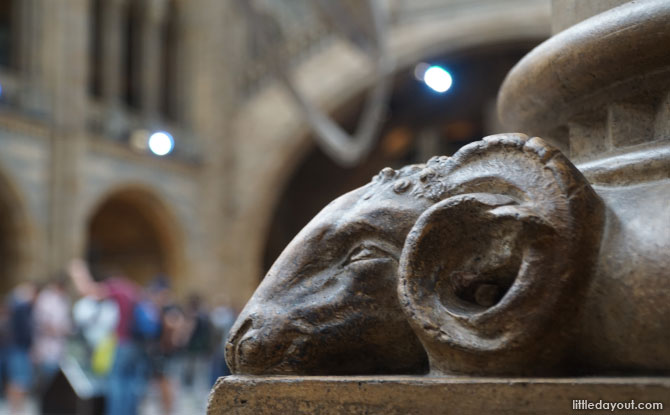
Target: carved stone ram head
{"x": 465, "y": 261}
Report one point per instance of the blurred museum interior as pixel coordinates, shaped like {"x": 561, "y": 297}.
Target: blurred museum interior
{"x": 86, "y": 84}
{"x": 173, "y": 137}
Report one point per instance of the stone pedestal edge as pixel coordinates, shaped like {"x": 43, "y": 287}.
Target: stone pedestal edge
{"x": 390, "y": 395}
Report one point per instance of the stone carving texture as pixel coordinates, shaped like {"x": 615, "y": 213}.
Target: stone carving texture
{"x": 478, "y": 263}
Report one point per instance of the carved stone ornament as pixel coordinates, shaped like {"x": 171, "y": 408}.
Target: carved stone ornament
{"x": 477, "y": 262}
{"x": 504, "y": 259}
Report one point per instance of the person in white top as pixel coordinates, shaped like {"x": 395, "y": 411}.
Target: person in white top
{"x": 51, "y": 316}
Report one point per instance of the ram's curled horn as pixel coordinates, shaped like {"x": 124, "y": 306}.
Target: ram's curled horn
{"x": 491, "y": 272}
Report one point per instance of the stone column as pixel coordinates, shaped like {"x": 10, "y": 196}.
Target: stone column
{"x": 66, "y": 61}
{"x": 209, "y": 42}
{"x": 150, "y": 58}
{"x": 111, "y": 65}
{"x": 29, "y": 54}
{"x": 601, "y": 88}
{"x": 596, "y": 88}
{"x": 111, "y": 30}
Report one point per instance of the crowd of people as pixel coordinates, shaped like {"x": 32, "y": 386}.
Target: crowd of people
{"x": 127, "y": 337}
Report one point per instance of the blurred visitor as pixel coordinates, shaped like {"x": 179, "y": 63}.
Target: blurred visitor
{"x": 96, "y": 320}
{"x": 222, "y": 318}
{"x": 174, "y": 336}
{"x": 123, "y": 338}
{"x": 52, "y": 326}
{"x": 125, "y": 382}
{"x": 19, "y": 365}
{"x": 199, "y": 343}
{"x": 5, "y": 342}
{"x": 147, "y": 327}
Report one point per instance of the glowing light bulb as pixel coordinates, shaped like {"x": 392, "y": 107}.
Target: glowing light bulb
{"x": 161, "y": 143}
{"x": 438, "y": 79}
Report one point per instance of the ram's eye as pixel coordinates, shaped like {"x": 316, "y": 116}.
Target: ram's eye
{"x": 365, "y": 252}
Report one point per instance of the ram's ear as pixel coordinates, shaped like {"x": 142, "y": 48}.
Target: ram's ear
{"x": 489, "y": 275}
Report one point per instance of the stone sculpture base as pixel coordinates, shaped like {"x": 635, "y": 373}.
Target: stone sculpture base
{"x": 389, "y": 395}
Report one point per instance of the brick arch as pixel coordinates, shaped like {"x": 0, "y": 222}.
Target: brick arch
{"x": 131, "y": 229}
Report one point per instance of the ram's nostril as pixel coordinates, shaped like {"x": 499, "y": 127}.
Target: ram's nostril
{"x": 232, "y": 345}
{"x": 240, "y": 331}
